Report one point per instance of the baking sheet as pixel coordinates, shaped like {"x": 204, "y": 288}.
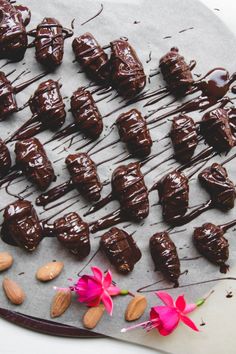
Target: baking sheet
{"x": 208, "y": 42}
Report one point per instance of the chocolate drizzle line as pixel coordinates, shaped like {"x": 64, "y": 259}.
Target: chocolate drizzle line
{"x": 93, "y": 17}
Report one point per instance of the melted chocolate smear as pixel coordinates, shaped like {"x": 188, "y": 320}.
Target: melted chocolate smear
{"x": 142, "y": 290}
{"x": 107, "y": 221}
{"x": 202, "y": 323}
{"x": 229, "y": 295}
{"x": 167, "y": 37}
{"x": 93, "y": 17}
{"x": 186, "y": 29}
{"x": 55, "y": 193}
{"x": 73, "y": 23}
{"x": 25, "y": 84}
{"x": 149, "y": 57}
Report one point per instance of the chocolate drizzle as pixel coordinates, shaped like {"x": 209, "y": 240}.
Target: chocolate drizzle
{"x": 13, "y": 36}
{"x": 86, "y": 115}
{"x": 32, "y": 159}
{"x": 134, "y": 132}
{"x": 21, "y": 224}
{"x": 121, "y": 249}
{"x": 165, "y": 256}
{"x": 73, "y": 233}
{"x": 92, "y": 57}
{"x": 184, "y": 137}
{"x": 49, "y": 42}
{"x": 128, "y": 76}
{"x": 5, "y": 159}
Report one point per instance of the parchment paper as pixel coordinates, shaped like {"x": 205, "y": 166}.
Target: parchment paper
{"x": 211, "y": 45}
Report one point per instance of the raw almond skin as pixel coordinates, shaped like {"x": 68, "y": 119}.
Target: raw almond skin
{"x": 60, "y": 302}
{"x": 136, "y": 308}
{"x": 49, "y": 271}
{"x": 92, "y": 316}
{"x": 6, "y": 261}
{"x": 13, "y": 291}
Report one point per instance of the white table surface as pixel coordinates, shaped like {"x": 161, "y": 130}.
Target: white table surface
{"x": 16, "y": 340}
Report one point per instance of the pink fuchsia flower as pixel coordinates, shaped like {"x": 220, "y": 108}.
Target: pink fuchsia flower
{"x": 97, "y": 288}
{"x": 166, "y": 318}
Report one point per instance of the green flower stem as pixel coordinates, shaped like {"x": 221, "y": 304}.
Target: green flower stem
{"x": 124, "y": 292}
{"x": 200, "y": 302}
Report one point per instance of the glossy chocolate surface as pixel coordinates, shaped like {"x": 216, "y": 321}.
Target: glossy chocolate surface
{"x": 21, "y": 224}
{"x": 215, "y": 127}
{"x": 165, "y": 256}
{"x": 121, "y": 249}
{"x": 84, "y": 175}
{"x": 176, "y": 72}
{"x": 92, "y": 57}
{"x": 183, "y": 135}
{"x": 129, "y": 188}
{"x": 47, "y": 104}
{"x": 49, "y": 42}
{"x": 24, "y": 12}
{"x": 5, "y": 158}
{"x": 173, "y": 192}
{"x": 128, "y": 76}
{"x": 13, "y": 37}
{"x": 134, "y": 132}
{"x": 32, "y": 159}
{"x": 86, "y": 114}
{"x": 221, "y": 189}
{"x": 73, "y": 233}
{"x": 8, "y": 103}
{"x": 210, "y": 241}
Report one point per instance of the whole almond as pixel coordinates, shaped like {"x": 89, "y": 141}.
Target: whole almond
{"x": 92, "y": 316}
{"x": 60, "y": 302}
{"x": 136, "y": 308}
{"x": 13, "y": 291}
{"x": 6, "y": 261}
{"x": 49, "y": 271}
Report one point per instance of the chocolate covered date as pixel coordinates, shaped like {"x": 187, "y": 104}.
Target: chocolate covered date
{"x": 21, "y": 224}
{"x": 173, "y": 192}
{"x": 176, "y": 72}
{"x": 210, "y": 241}
{"x": 73, "y": 233}
{"x": 32, "y": 159}
{"x": 129, "y": 188}
{"x": 128, "y": 76}
{"x": 84, "y": 175}
{"x": 183, "y": 135}
{"x": 86, "y": 114}
{"x": 134, "y": 132}
{"x": 165, "y": 256}
{"x": 5, "y": 158}
{"x": 216, "y": 181}
{"x": 121, "y": 249}
{"x": 8, "y": 103}
{"x": 93, "y": 59}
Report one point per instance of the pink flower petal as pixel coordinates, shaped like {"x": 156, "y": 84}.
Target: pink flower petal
{"x": 107, "y": 301}
{"x": 180, "y": 303}
{"x": 113, "y": 290}
{"x": 165, "y": 298}
{"x": 98, "y": 274}
{"x": 95, "y": 302}
{"x": 186, "y": 320}
{"x": 169, "y": 319}
{"x": 107, "y": 280}
{"x": 189, "y": 308}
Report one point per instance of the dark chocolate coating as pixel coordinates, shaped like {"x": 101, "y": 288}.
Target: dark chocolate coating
{"x": 129, "y": 188}
{"x": 215, "y": 128}
{"x": 84, "y": 175}
{"x": 49, "y": 42}
{"x": 128, "y": 76}
{"x": 21, "y": 224}
{"x": 25, "y": 13}
{"x": 5, "y": 158}
{"x": 184, "y": 137}
{"x": 73, "y": 233}
{"x": 210, "y": 241}
{"x": 8, "y": 103}
{"x": 176, "y": 72}
{"x": 173, "y": 192}
{"x": 221, "y": 188}
{"x": 86, "y": 114}
{"x": 93, "y": 59}
{"x": 134, "y": 132}
{"x": 32, "y": 159}
{"x": 48, "y": 105}
{"x": 13, "y": 37}
{"x": 121, "y": 249}
{"x": 165, "y": 256}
